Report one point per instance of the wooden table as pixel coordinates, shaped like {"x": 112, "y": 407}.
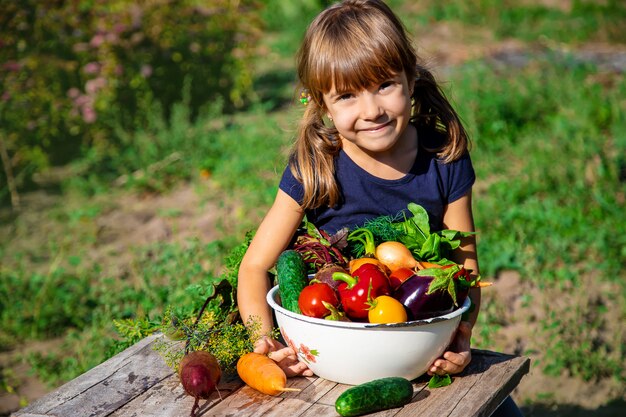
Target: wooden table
{"x": 136, "y": 382}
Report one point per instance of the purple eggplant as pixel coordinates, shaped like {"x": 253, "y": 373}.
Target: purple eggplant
{"x": 412, "y": 293}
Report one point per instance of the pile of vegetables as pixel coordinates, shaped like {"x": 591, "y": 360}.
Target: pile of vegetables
{"x": 387, "y": 271}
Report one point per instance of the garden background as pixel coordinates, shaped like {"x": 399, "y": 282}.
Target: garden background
{"x": 141, "y": 140}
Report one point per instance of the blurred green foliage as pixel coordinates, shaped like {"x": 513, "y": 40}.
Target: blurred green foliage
{"x": 568, "y": 22}
{"x": 75, "y": 73}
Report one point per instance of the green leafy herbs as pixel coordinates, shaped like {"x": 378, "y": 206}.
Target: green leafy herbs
{"x": 450, "y": 278}
{"x": 427, "y": 246}
{"x": 365, "y": 238}
{"x": 438, "y": 381}
{"x": 414, "y": 232}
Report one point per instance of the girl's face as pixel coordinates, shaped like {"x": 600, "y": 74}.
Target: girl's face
{"x": 374, "y": 119}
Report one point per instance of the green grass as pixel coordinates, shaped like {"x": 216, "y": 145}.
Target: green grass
{"x": 567, "y": 23}
{"x": 548, "y": 150}
{"x": 549, "y": 144}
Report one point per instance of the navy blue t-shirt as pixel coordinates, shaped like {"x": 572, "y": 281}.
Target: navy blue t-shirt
{"x": 430, "y": 183}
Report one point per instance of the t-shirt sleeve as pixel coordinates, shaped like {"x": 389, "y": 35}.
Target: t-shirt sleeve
{"x": 460, "y": 178}
{"x": 290, "y": 185}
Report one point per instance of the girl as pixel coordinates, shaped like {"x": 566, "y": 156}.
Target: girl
{"x": 377, "y": 133}
{"x": 390, "y": 138}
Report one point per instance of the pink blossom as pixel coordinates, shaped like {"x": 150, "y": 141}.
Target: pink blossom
{"x": 83, "y": 100}
{"x": 307, "y": 353}
{"x": 112, "y": 37}
{"x": 95, "y": 85}
{"x": 12, "y": 66}
{"x": 146, "y": 71}
{"x": 92, "y": 68}
{"x": 73, "y": 92}
{"x": 89, "y": 114}
{"x": 97, "y": 40}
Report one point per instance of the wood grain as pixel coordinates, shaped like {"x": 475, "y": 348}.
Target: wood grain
{"x": 137, "y": 383}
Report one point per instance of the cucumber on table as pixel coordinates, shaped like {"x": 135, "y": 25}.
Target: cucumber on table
{"x": 377, "y": 395}
{"x": 291, "y": 273}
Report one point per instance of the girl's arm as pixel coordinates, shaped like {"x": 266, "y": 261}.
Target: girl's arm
{"x": 271, "y": 238}
{"x": 458, "y": 216}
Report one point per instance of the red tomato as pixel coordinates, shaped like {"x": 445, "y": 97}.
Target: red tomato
{"x": 386, "y": 309}
{"x": 400, "y": 275}
{"x": 311, "y": 300}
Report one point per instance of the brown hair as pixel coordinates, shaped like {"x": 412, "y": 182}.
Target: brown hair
{"x": 351, "y": 46}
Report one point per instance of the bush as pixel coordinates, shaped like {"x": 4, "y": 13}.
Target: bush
{"x": 75, "y": 73}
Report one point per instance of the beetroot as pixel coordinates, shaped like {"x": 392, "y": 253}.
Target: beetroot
{"x": 199, "y": 374}
{"x": 325, "y": 275}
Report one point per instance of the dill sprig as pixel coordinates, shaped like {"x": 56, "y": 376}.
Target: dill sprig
{"x": 227, "y": 340}
{"x": 382, "y": 230}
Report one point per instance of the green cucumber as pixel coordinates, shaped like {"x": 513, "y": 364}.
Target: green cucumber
{"x": 377, "y": 395}
{"x": 291, "y": 273}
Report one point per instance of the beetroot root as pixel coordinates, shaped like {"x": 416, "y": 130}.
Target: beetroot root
{"x": 199, "y": 374}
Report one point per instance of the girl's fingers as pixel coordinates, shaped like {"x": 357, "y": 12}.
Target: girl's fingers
{"x": 458, "y": 359}
{"x": 443, "y": 368}
{"x": 452, "y": 363}
{"x": 298, "y": 369}
{"x": 436, "y": 368}
{"x": 282, "y": 354}
{"x": 288, "y": 361}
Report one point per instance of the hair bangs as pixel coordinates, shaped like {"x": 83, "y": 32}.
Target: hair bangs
{"x": 350, "y": 58}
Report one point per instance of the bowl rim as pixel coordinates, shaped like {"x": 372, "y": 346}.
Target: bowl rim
{"x": 271, "y": 294}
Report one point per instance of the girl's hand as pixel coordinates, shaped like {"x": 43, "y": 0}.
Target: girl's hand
{"x": 459, "y": 354}
{"x": 285, "y": 357}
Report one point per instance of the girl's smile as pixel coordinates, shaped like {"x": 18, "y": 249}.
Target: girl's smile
{"x": 377, "y": 128}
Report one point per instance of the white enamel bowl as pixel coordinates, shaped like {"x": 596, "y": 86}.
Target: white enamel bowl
{"x": 353, "y": 353}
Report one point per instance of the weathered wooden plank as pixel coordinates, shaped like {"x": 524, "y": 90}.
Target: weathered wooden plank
{"x": 168, "y": 398}
{"x": 493, "y": 385}
{"x": 35, "y": 415}
{"x": 325, "y": 405}
{"x": 249, "y": 402}
{"x": 312, "y": 391}
{"x": 478, "y": 391}
{"x": 106, "y": 387}
{"x": 138, "y": 383}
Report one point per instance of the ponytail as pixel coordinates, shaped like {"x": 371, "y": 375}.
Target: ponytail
{"x": 433, "y": 112}
{"x": 312, "y": 159}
